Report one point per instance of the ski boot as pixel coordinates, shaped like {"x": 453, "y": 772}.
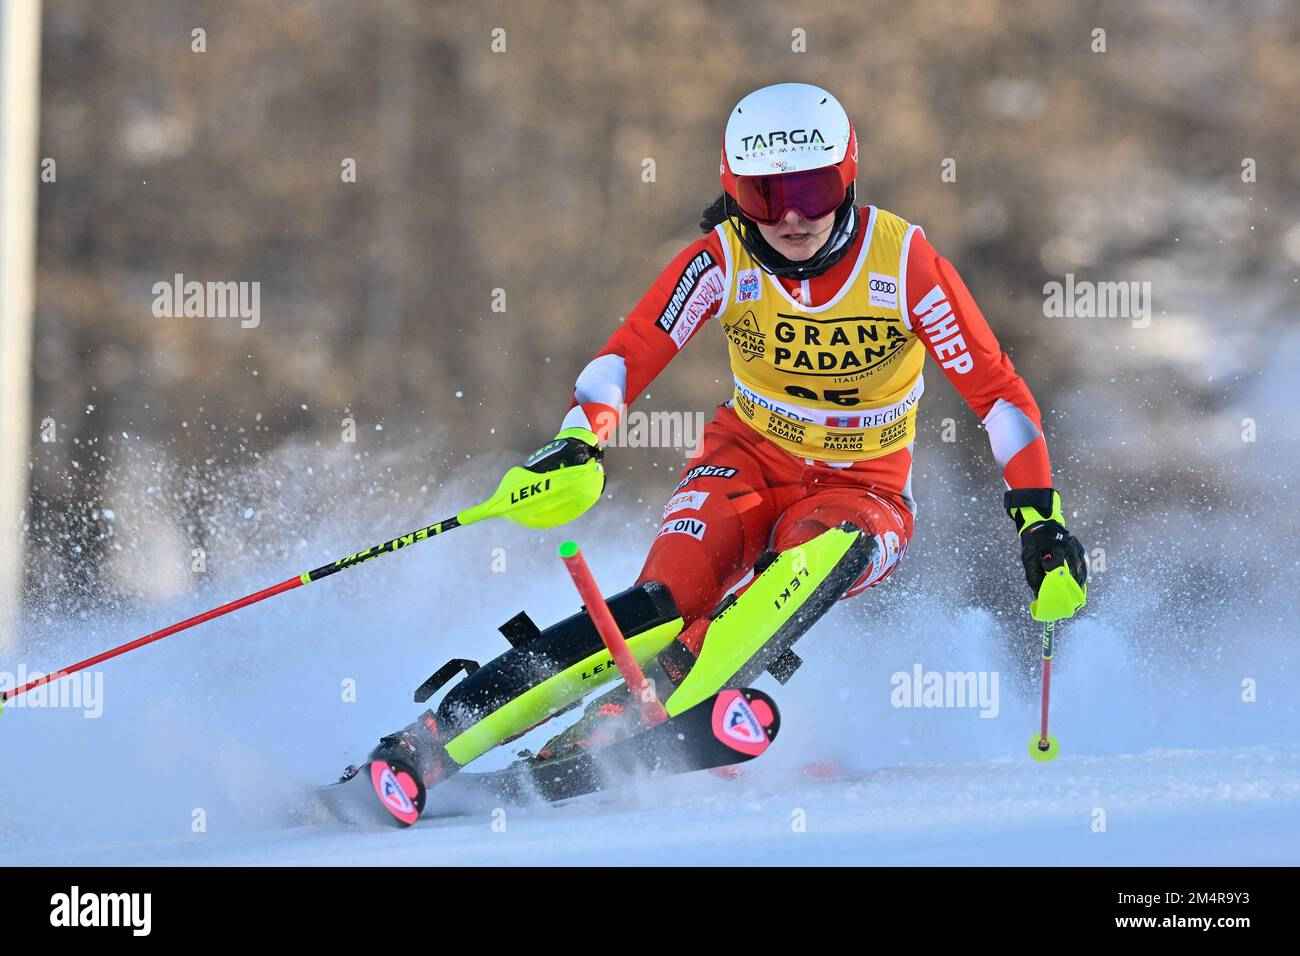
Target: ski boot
{"x": 606, "y": 720}
{"x": 610, "y": 718}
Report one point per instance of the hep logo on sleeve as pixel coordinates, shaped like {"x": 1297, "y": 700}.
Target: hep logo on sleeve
{"x": 940, "y": 328}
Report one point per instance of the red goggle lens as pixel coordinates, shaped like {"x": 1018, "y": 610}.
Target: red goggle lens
{"x": 813, "y": 193}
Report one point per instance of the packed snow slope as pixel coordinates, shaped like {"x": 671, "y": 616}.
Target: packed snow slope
{"x": 1178, "y": 732}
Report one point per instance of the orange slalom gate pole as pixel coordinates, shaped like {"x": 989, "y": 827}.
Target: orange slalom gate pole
{"x": 652, "y": 711}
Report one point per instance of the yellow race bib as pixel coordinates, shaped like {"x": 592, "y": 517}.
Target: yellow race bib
{"x": 836, "y": 382}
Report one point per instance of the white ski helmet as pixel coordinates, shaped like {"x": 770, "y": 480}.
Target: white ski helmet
{"x": 789, "y": 146}
{"x": 778, "y": 131}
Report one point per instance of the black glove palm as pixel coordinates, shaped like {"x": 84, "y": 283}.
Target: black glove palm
{"x": 1045, "y": 544}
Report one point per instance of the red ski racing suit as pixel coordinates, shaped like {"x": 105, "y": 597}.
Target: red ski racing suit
{"x": 821, "y": 423}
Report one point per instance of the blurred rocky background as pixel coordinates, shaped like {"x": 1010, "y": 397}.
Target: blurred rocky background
{"x": 449, "y": 206}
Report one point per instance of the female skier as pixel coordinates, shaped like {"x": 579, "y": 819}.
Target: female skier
{"x": 802, "y": 492}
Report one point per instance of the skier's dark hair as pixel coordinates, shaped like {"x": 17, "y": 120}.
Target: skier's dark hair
{"x": 715, "y": 214}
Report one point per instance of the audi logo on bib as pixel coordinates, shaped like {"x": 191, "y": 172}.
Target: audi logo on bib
{"x": 882, "y": 290}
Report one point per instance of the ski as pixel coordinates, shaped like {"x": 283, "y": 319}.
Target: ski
{"x": 731, "y": 727}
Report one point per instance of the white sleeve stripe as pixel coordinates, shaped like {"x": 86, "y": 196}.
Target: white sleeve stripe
{"x": 604, "y": 380}
{"x": 576, "y": 418}
{"x": 1010, "y": 431}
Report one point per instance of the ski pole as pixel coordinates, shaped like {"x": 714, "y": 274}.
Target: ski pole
{"x": 1044, "y": 747}
{"x": 652, "y": 711}
{"x": 1059, "y": 597}
{"x": 307, "y": 577}
{"x": 529, "y": 498}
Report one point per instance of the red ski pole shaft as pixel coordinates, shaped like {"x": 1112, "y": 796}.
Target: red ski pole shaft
{"x": 307, "y": 577}
{"x": 1049, "y": 629}
{"x": 1047, "y": 693}
{"x": 155, "y": 636}
{"x": 652, "y": 711}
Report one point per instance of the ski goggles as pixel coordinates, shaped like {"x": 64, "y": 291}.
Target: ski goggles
{"x": 813, "y": 193}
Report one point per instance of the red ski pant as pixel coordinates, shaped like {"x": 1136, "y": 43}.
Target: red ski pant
{"x": 742, "y": 495}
